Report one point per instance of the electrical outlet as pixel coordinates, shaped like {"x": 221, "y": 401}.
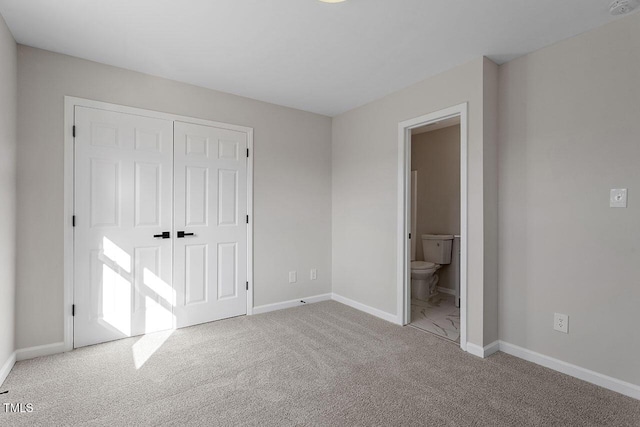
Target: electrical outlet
{"x": 314, "y": 274}
{"x": 561, "y": 322}
{"x": 293, "y": 277}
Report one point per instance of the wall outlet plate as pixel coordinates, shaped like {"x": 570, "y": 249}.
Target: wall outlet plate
{"x": 561, "y": 322}
{"x": 293, "y": 277}
{"x": 618, "y": 198}
{"x": 314, "y": 274}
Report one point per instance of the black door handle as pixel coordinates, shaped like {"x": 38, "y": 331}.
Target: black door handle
{"x": 164, "y": 235}
{"x": 182, "y": 234}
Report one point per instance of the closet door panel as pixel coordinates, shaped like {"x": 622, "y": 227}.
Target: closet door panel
{"x": 123, "y": 197}
{"x": 211, "y": 232}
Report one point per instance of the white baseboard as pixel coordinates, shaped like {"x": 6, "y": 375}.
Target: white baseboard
{"x": 6, "y": 368}
{"x": 614, "y": 384}
{"x": 325, "y": 297}
{"x": 489, "y": 349}
{"x": 447, "y": 291}
{"x": 39, "y": 351}
{"x": 370, "y": 310}
{"x": 485, "y": 351}
{"x": 289, "y": 304}
{"x": 474, "y": 349}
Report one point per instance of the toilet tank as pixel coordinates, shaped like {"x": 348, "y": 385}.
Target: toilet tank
{"x": 437, "y": 248}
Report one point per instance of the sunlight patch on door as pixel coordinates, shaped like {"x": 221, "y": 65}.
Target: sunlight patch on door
{"x": 159, "y": 287}
{"x": 156, "y": 317}
{"x": 116, "y": 254}
{"x": 116, "y": 300}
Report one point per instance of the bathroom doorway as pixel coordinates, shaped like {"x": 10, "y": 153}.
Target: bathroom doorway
{"x": 432, "y": 223}
{"x": 435, "y": 228}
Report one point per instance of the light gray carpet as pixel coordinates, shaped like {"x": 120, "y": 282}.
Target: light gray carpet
{"x": 320, "y": 364}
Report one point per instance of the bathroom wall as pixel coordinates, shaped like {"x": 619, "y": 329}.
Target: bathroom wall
{"x": 436, "y": 157}
{"x": 569, "y": 132}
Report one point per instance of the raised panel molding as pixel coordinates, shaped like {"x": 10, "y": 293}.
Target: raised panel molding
{"x": 227, "y": 197}
{"x": 147, "y": 194}
{"x": 227, "y": 270}
{"x": 197, "y": 196}
{"x": 196, "y": 273}
{"x": 104, "y": 135}
{"x": 148, "y": 140}
{"x": 227, "y": 150}
{"x": 197, "y": 146}
{"x": 105, "y": 192}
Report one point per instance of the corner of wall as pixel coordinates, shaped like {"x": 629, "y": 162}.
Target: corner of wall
{"x": 490, "y": 188}
{"x": 8, "y": 194}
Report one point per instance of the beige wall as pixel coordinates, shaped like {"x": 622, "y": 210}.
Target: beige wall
{"x": 435, "y": 155}
{"x": 569, "y": 132}
{"x": 365, "y": 185}
{"x": 292, "y": 182}
{"x": 490, "y": 119}
{"x": 8, "y": 146}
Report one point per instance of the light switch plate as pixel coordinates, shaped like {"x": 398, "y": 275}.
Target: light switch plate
{"x": 293, "y": 277}
{"x": 618, "y": 198}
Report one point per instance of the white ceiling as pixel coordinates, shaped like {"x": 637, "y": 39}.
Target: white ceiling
{"x": 320, "y": 57}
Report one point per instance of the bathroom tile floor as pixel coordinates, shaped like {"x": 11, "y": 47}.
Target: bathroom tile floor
{"x": 439, "y": 315}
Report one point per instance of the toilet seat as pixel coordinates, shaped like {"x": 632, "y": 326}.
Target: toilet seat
{"x": 422, "y": 265}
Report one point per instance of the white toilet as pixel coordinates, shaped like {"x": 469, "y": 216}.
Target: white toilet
{"x": 437, "y": 252}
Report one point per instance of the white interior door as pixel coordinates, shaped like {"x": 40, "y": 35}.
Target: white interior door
{"x": 123, "y": 198}
{"x": 210, "y": 208}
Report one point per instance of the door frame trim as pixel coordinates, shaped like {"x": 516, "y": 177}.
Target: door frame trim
{"x": 404, "y": 212}
{"x": 70, "y": 102}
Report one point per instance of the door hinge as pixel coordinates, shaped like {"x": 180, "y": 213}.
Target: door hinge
{"x": 247, "y": 219}
{"x": 73, "y": 221}
{"x": 247, "y": 285}
{"x": 247, "y": 152}
{"x": 74, "y": 131}
{"x": 409, "y": 236}
{"x": 73, "y": 309}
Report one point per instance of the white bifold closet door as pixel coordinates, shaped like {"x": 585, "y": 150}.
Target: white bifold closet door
{"x": 160, "y": 237}
{"x": 210, "y": 210}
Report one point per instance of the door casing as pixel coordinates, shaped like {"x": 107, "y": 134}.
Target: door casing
{"x": 69, "y": 170}
{"x": 403, "y": 281}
